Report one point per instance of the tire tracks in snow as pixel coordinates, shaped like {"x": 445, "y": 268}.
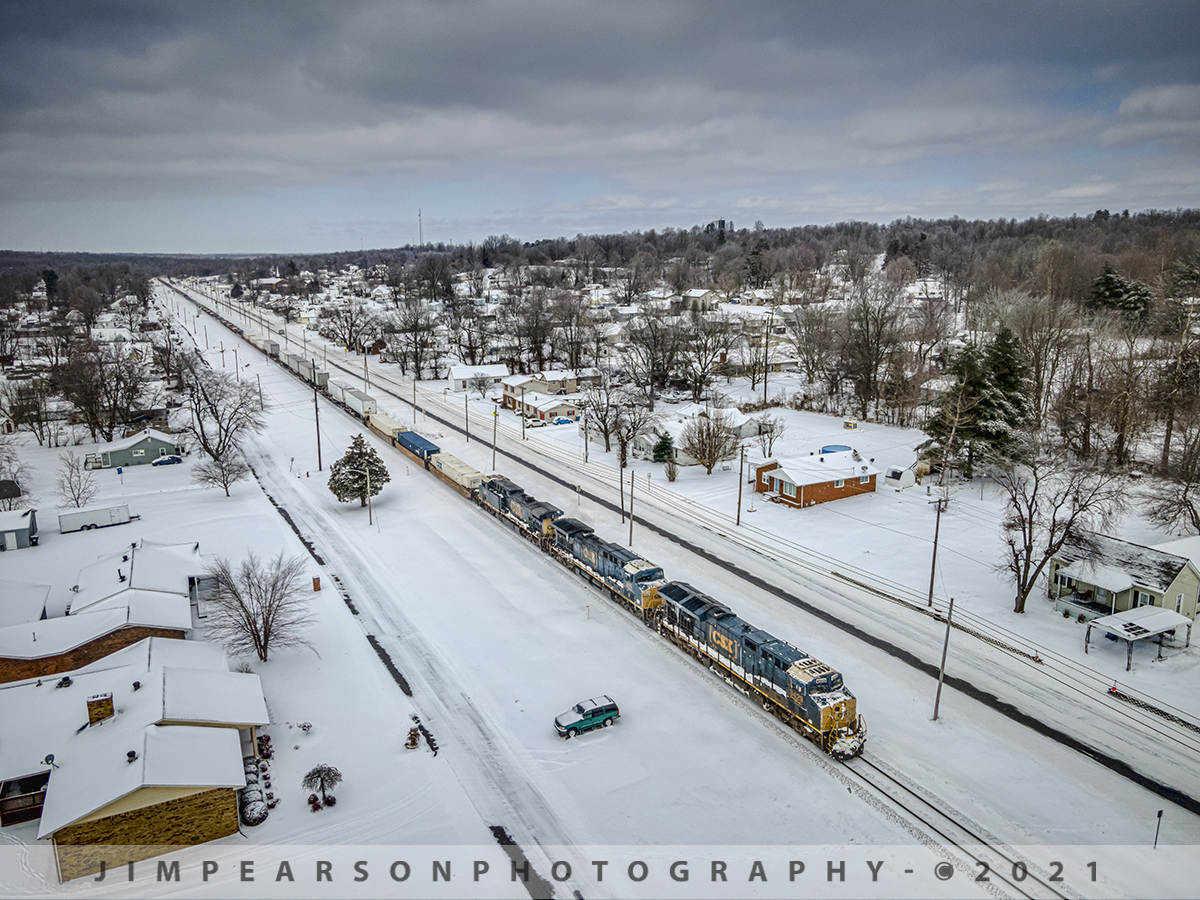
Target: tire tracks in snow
{"x": 489, "y": 769}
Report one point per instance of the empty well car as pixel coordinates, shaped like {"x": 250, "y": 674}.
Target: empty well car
{"x": 167, "y": 461}
{"x": 599, "y": 712}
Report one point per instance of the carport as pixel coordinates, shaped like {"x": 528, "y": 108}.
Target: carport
{"x": 1139, "y": 624}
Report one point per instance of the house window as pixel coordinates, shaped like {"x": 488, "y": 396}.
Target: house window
{"x": 866, "y": 479}
{"x": 1141, "y": 598}
{"x": 139, "y": 452}
{"x": 789, "y": 490}
{"x": 1179, "y": 603}
{"x": 841, "y": 482}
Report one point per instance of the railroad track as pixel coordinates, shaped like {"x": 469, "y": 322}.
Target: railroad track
{"x": 980, "y": 858}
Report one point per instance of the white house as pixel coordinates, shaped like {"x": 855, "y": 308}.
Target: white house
{"x": 462, "y": 377}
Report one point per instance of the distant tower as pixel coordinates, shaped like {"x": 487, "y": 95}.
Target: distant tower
{"x": 420, "y": 231}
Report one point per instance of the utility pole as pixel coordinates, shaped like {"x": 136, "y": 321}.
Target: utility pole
{"x": 414, "y": 398}
{"x": 205, "y": 337}
{"x": 495, "y": 416}
{"x": 741, "y": 477}
{"x": 467, "y": 414}
{"x": 222, "y": 354}
{"x": 939, "y": 502}
{"x": 942, "y": 671}
{"x": 317, "y": 413}
{"x": 631, "y": 507}
{"x": 767, "y": 353}
{"x": 366, "y": 377}
{"x": 522, "y": 412}
{"x": 237, "y": 366}
{"x": 585, "y": 438}
{"x": 261, "y": 405}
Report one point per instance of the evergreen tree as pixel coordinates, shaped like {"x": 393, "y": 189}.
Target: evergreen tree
{"x": 348, "y": 476}
{"x": 664, "y": 449}
{"x": 978, "y": 418}
{"x": 1126, "y": 296}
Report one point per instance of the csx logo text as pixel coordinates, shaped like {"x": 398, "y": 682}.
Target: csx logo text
{"x": 722, "y": 641}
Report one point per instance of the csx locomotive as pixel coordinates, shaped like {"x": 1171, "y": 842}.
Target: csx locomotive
{"x": 802, "y": 691}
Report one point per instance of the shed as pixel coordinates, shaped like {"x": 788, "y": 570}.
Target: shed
{"x": 18, "y": 529}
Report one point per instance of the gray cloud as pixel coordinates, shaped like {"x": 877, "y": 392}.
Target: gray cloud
{"x": 575, "y": 116}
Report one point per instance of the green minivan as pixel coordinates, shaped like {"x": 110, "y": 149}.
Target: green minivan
{"x": 597, "y": 713}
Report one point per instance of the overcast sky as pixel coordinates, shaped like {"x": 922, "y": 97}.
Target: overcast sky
{"x": 290, "y": 127}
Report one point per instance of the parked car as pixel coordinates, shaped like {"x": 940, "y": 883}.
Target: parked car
{"x": 167, "y": 461}
{"x": 596, "y": 713}
{"x": 563, "y": 420}
{"x": 534, "y": 423}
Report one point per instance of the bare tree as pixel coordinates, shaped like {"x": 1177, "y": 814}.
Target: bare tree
{"x": 709, "y": 438}
{"x": 1048, "y": 498}
{"x": 259, "y": 607}
{"x": 75, "y": 485}
{"x": 630, "y": 419}
{"x": 16, "y": 470}
{"x": 599, "y": 404}
{"x": 1175, "y": 500}
{"x": 770, "y": 430}
{"x": 224, "y": 410}
{"x": 705, "y": 343}
{"x": 480, "y": 383}
{"x": 224, "y": 471}
{"x": 354, "y": 325}
{"x": 28, "y": 404}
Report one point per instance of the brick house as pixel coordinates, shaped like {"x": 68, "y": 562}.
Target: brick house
{"x": 158, "y": 764}
{"x": 821, "y": 477}
{"x": 144, "y": 591}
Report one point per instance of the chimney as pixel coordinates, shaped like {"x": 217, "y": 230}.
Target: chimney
{"x": 100, "y": 707}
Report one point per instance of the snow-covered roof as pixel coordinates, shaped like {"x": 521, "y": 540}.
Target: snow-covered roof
{"x": 1142, "y": 566}
{"x": 52, "y": 636}
{"x": 1188, "y": 547}
{"x": 15, "y": 520}
{"x": 21, "y": 602}
{"x": 91, "y": 765}
{"x": 517, "y": 380}
{"x": 825, "y": 467}
{"x": 463, "y": 373}
{"x": 543, "y": 402}
{"x": 146, "y": 566}
{"x": 137, "y": 439}
{"x": 1140, "y": 622}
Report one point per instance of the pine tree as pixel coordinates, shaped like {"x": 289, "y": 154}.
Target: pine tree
{"x": 665, "y": 448}
{"x": 348, "y": 476}
{"x": 979, "y": 417}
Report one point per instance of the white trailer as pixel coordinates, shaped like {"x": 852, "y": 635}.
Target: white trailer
{"x": 363, "y": 404}
{"x": 337, "y": 389}
{"x": 93, "y": 517}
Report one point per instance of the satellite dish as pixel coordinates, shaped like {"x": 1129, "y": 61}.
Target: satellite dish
{"x": 49, "y": 760}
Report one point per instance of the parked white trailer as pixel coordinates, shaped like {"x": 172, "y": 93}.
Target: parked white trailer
{"x": 93, "y": 517}
{"x": 363, "y": 404}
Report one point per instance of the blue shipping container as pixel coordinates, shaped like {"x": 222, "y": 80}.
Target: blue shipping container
{"x": 417, "y": 445}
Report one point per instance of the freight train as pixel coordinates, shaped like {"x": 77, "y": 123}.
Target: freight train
{"x": 799, "y": 689}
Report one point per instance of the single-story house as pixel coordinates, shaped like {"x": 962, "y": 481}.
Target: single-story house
{"x": 820, "y": 477}
{"x": 158, "y": 762}
{"x": 141, "y": 449}
{"x": 18, "y": 529}
{"x": 463, "y": 377}
{"x": 122, "y": 598}
{"x": 1097, "y": 575}
{"x": 549, "y": 407}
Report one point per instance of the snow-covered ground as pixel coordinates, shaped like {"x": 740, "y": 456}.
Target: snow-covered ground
{"x": 496, "y": 639}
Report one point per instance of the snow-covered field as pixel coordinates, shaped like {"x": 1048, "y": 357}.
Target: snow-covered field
{"x": 496, "y": 639}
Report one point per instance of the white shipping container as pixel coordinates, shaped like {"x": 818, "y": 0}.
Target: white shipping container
{"x": 338, "y": 388}
{"x": 93, "y": 517}
{"x": 363, "y": 404}
{"x": 385, "y": 425}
